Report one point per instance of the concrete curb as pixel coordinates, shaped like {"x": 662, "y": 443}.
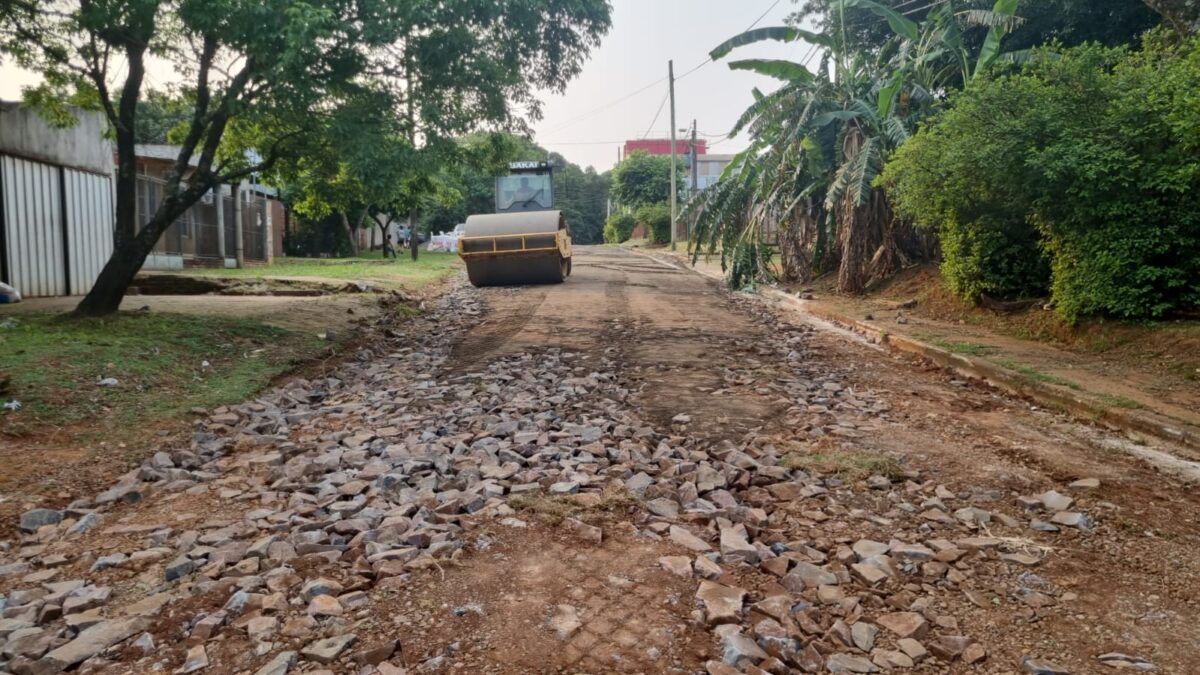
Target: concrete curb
{"x": 1131, "y": 422}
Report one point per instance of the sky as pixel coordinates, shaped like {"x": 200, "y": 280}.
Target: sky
{"x": 622, "y": 86}
{"x": 593, "y": 118}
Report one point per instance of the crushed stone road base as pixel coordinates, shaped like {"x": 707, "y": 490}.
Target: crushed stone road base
{"x": 630, "y": 472}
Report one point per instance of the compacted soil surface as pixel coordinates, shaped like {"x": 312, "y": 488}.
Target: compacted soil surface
{"x": 634, "y": 471}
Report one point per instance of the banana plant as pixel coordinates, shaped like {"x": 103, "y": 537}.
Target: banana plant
{"x": 818, "y": 143}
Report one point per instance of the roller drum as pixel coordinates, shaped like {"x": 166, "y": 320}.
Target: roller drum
{"x": 518, "y": 270}
{"x": 512, "y": 249}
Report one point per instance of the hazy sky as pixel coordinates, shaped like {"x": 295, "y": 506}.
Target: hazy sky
{"x": 597, "y": 113}
{"x": 645, "y": 34}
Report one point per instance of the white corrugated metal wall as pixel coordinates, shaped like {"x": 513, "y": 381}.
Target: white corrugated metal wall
{"x": 33, "y": 227}
{"x": 37, "y": 263}
{"x": 89, "y": 226}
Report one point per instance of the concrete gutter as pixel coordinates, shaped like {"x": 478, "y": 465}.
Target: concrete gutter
{"x": 1138, "y": 424}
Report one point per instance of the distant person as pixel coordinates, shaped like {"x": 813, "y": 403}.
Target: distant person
{"x": 525, "y": 193}
{"x": 387, "y": 246}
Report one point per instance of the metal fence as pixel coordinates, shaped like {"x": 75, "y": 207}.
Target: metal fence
{"x": 254, "y": 229}
{"x": 198, "y": 233}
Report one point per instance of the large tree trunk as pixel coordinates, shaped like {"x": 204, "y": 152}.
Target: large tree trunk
{"x": 350, "y": 233}
{"x": 790, "y": 251}
{"x": 362, "y": 218}
{"x": 106, "y": 294}
{"x": 798, "y": 244}
{"x": 853, "y": 236}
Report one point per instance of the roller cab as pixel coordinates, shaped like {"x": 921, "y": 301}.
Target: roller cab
{"x": 526, "y": 241}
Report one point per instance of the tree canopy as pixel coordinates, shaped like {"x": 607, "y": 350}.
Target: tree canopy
{"x": 641, "y": 179}
{"x": 1068, "y": 22}
{"x": 269, "y": 75}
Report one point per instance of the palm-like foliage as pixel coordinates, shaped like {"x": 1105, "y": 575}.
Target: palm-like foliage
{"x": 818, "y": 143}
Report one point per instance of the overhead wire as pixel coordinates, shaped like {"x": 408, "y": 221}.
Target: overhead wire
{"x": 655, "y": 83}
{"x": 751, "y": 27}
{"x": 656, "y": 116}
{"x": 606, "y": 106}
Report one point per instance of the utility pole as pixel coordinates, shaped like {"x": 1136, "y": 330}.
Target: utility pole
{"x": 674, "y": 190}
{"x": 695, "y": 178}
{"x": 695, "y": 161}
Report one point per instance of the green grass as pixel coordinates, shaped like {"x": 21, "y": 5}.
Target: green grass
{"x": 55, "y": 363}
{"x": 965, "y": 348}
{"x": 1035, "y": 374}
{"x": 429, "y": 268}
{"x": 846, "y": 464}
{"x": 1116, "y": 401}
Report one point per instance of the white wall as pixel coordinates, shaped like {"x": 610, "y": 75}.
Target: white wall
{"x": 48, "y": 251}
{"x": 24, "y": 133}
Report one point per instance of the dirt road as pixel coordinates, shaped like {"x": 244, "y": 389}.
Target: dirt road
{"x": 631, "y": 472}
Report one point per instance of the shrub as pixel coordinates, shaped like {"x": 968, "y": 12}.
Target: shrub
{"x": 1087, "y": 158}
{"x": 657, "y": 219}
{"x": 963, "y": 177}
{"x": 1120, "y": 180}
{"x": 618, "y": 228}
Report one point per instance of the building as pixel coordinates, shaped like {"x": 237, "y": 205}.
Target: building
{"x": 709, "y": 169}
{"x": 206, "y": 235}
{"x": 57, "y": 208}
{"x": 662, "y": 146}
{"x": 56, "y": 202}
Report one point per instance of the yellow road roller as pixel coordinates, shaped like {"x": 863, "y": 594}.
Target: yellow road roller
{"x": 526, "y": 241}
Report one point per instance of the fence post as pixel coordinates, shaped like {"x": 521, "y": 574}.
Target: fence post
{"x": 219, "y": 200}
{"x": 238, "y": 224}
{"x": 268, "y": 233}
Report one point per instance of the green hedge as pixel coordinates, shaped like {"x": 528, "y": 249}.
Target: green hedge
{"x": 618, "y": 228}
{"x": 657, "y": 219}
{"x": 1089, "y": 160}
{"x": 963, "y": 176}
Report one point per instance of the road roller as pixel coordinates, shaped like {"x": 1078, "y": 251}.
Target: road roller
{"x": 526, "y": 241}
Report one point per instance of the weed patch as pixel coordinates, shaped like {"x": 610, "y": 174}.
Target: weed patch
{"x": 846, "y": 464}
{"x": 1115, "y": 401}
{"x": 965, "y": 348}
{"x": 1035, "y": 374}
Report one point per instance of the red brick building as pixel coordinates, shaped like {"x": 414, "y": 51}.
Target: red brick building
{"x": 662, "y": 146}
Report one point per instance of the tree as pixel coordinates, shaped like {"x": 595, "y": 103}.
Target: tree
{"x": 467, "y": 66}
{"x": 271, "y": 71}
{"x": 1182, "y": 15}
{"x": 819, "y": 142}
{"x": 352, "y": 166}
{"x": 270, "y": 64}
{"x": 1069, "y": 22}
{"x": 1073, "y": 175}
{"x": 642, "y": 178}
{"x": 159, "y": 114}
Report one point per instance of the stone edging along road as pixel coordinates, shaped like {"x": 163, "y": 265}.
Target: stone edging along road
{"x": 1134, "y": 423}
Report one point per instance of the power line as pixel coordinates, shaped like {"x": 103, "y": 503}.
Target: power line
{"x": 606, "y": 106}
{"x": 653, "y": 84}
{"x": 656, "y": 115}
{"x": 751, "y": 27}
